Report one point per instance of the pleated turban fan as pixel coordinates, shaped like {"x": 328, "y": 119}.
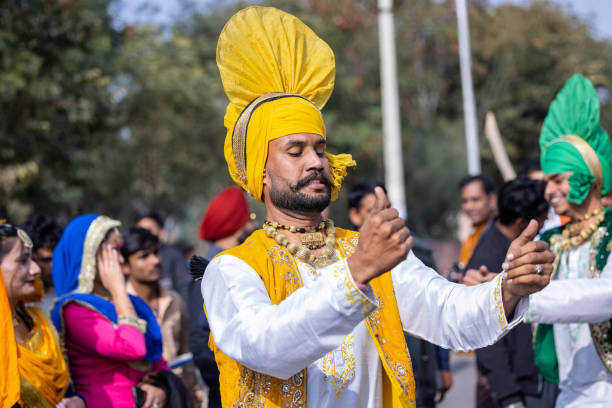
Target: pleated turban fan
{"x": 277, "y": 75}
{"x": 573, "y": 141}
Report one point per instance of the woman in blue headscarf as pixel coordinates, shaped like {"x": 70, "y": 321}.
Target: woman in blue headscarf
{"x": 112, "y": 339}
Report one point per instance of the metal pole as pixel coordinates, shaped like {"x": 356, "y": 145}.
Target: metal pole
{"x": 469, "y": 106}
{"x": 392, "y": 138}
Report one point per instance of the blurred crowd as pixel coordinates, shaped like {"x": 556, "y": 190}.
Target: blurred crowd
{"x": 107, "y": 314}
{"x": 119, "y": 298}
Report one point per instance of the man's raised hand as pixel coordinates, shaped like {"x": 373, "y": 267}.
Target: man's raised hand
{"x": 528, "y": 266}
{"x": 384, "y": 241}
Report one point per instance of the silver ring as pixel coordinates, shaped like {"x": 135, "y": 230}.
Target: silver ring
{"x": 538, "y": 269}
{"x": 155, "y": 405}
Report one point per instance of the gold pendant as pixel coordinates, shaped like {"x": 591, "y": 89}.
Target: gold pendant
{"x": 312, "y": 240}
{"x": 322, "y": 262}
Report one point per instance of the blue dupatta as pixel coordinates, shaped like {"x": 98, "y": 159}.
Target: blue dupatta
{"x": 74, "y": 270}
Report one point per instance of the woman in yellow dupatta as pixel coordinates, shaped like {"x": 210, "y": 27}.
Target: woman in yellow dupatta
{"x": 10, "y": 385}
{"x": 42, "y": 369}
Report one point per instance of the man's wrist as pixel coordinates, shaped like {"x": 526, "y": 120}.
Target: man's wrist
{"x": 509, "y": 298}
{"x": 357, "y": 271}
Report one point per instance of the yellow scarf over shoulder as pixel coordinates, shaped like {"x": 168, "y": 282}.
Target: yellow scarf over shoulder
{"x": 242, "y": 387}
{"x": 42, "y": 368}
{"x": 10, "y": 385}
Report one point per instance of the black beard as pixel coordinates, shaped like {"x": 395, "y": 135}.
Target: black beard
{"x": 293, "y": 199}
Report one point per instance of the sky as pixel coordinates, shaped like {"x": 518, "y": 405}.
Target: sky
{"x": 597, "y": 13}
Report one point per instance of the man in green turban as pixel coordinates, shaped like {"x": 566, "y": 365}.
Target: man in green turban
{"x": 573, "y": 344}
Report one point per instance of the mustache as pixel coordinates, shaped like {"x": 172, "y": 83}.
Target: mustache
{"x": 313, "y": 176}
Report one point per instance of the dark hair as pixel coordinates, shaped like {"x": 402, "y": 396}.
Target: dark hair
{"x": 155, "y": 216}
{"x": 6, "y": 231}
{"x": 44, "y": 231}
{"x": 521, "y": 198}
{"x": 138, "y": 239}
{"x": 529, "y": 165}
{"x": 358, "y": 191}
{"x": 487, "y": 184}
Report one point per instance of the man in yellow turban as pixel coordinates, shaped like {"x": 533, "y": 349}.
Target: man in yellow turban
{"x": 304, "y": 313}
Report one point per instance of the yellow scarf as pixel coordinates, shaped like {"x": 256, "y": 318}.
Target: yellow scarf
{"x": 10, "y": 385}
{"x": 242, "y": 387}
{"x": 43, "y": 371}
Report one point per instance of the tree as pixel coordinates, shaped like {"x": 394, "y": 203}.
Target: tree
{"x": 119, "y": 122}
{"x": 57, "y": 62}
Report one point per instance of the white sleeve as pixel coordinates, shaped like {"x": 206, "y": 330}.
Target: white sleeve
{"x": 574, "y": 300}
{"x": 280, "y": 340}
{"x": 451, "y": 315}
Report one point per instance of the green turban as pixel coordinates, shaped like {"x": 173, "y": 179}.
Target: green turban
{"x": 573, "y": 141}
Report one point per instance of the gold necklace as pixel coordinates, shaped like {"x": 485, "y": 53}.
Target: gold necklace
{"x": 572, "y": 237}
{"x": 594, "y": 213}
{"x": 312, "y": 238}
{"x": 313, "y": 241}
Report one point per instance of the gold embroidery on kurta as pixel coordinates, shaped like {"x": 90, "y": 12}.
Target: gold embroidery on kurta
{"x": 338, "y": 366}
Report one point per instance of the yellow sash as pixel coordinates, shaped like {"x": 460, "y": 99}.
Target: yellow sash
{"x": 242, "y": 387}
{"x": 9, "y": 385}
{"x": 43, "y": 371}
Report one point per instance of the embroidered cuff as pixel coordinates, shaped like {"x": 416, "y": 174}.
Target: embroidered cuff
{"x": 530, "y": 315}
{"x": 352, "y": 295}
{"x": 519, "y": 311}
{"x": 133, "y": 321}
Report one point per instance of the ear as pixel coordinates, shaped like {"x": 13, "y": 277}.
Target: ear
{"x": 355, "y": 217}
{"x": 493, "y": 201}
{"x": 125, "y": 268}
{"x": 264, "y": 177}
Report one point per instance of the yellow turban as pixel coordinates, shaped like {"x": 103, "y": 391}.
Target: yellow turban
{"x": 278, "y": 75}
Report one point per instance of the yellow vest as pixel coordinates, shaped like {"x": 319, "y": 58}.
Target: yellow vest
{"x": 242, "y": 387}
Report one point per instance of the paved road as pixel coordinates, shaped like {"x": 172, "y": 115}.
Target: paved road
{"x": 463, "y": 392}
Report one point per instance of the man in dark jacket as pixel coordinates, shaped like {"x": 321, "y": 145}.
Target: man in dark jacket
{"x": 226, "y": 223}
{"x": 509, "y": 364}
{"x": 427, "y": 359}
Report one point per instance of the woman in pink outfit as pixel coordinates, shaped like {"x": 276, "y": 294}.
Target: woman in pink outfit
{"x": 112, "y": 339}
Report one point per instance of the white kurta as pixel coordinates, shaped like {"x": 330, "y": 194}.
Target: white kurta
{"x": 570, "y": 302}
{"x": 322, "y": 327}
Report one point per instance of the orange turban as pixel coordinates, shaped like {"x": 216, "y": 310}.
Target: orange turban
{"x": 226, "y": 214}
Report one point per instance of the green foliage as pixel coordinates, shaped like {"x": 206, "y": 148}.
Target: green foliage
{"x": 521, "y": 56}
{"x": 96, "y": 120}
{"x": 56, "y": 61}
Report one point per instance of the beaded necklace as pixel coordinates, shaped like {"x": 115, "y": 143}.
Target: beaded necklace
{"x": 310, "y": 241}
{"x": 573, "y": 237}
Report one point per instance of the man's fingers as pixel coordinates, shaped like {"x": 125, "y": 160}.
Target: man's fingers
{"x": 534, "y": 258}
{"x": 381, "y": 199}
{"x": 387, "y": 214}
{"x": 517, "y": 253}
{"x": 402, "y": 234}
{"x": 472, "y": 277}
{"x": 528, "y": 234}
{"x": 529, "y": 269}
{"x": 148, "y": 400}
{"x": 535, "y": 282}
{"x": 483, "y": 270}
{"x": 533, "y": 246}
